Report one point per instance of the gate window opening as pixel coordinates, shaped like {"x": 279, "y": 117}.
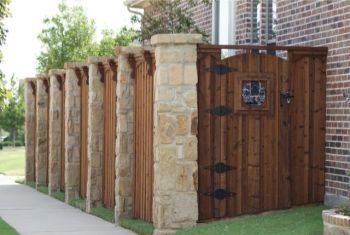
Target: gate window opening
{"x": 253, "y": 93}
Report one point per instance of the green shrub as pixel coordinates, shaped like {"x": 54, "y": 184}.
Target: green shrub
{"x": 16, "y": 143}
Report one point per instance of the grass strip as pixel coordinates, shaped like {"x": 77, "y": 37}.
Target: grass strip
{"x": 296, "y": 221}
{"x": 79, "y": 203}
{"x": 138, "y": 226}
{"x": 103, "y": 213}
{"x": 6, "y": 229}
{"x": 59, "y": 196}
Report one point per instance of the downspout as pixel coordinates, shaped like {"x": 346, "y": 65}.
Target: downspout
{"x": 215, "y": 21}
{"x": 133, "y": 11}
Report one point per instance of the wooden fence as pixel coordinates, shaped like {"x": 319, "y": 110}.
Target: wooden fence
{"x": 83, "y": 76}
{"x": 61, "y": 80}
{"x": 143, "y": 133}
{"x": 261, "y": 130}
{"x": 109, "y": 76}
{"x": 47, "y": 90}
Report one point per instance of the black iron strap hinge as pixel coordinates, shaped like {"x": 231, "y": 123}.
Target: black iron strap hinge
{"x": 220, "y": 69}
{"x": 220, "y": 110}
{"x": 219, "y": 167}
{"x": 220, "y": 194}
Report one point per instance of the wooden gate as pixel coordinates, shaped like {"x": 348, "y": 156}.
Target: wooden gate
{"x": 110, "y": 85}
{"x": 143, "y": 134}
{"x": 84, "y": 97}
{"x": 257, "y": 147}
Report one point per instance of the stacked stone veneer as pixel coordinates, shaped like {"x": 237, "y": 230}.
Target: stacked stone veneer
{"x": 55, "y": 131}
{"x": 95, "y": 135}
{"x": 125, "y": 137}
{"x": 72, "y": 135}
{"x": 326, "y": 23}
{"x": 30, "y": 127}
{"x": 41, "y": 148}
{"x": 175, "y": 203}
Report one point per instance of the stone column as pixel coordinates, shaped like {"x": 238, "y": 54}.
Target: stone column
{"x": 125, "y": 138}
{"x": 72, "y": 135}
{"x": 175, "y": 203}
{"x": 95, "y": 135}
{"x": 41, "y": 156}
{"x": 56, "y": 77}
{"x": 30, "y": 127}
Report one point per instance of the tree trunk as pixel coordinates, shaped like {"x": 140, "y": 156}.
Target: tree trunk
{"x": 14, "y": 137}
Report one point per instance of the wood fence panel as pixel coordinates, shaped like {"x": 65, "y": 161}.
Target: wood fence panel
{"x": 63, "y": 130}
{"x": 48, "y": 129}
{"x": 84, "y": 91}
{"x": 143, "y": 133}
{"x": 110, "y": 86}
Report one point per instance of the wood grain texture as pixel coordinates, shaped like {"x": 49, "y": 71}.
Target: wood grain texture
{"x": 108, "y": 181}
{"x": 143, "y": 143}
{"x": 277, "y": 152}
{"x": 83, "y": 137}
{"x": 63, "y": 128}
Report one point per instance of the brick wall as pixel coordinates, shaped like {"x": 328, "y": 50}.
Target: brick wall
{"x": 201, "y": 14}
{"x": 326, "y": 23}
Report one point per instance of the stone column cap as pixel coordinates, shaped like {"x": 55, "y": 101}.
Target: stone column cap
{"x": 179, "y": 38}
{"x": 30, "y": 79}
{"x": 57, "y": 72}
{"x": 73, "y": 65}
{"x": 42, "y": 76}
{"x": 101, "y": 59}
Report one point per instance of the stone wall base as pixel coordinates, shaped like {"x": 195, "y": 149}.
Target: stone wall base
{"x": 335, "y": 224}
{"x": 333, "y": 200}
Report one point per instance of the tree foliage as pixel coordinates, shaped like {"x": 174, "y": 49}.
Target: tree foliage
{"x": 12, "y": 114}
{"x": 67, "y": 36}
{"x": 4, "y": 13}
{"x": 70, "y": 36}
{"x": 167, "y": 17}
{"x": 111, "y": 39}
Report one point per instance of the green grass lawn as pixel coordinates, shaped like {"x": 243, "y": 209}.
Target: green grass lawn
{"x": 296, "y": 221}
{"x": 12, "y": 161}
{"x": 6, "y": 229}
{"x": 138, "y": 226}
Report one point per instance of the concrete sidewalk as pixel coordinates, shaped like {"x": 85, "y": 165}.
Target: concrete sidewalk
{"x": 34, "y": 213}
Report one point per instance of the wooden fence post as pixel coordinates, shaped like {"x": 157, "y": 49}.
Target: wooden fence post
{"x": 175, "y": 203}
{"x": 30, "y": 127}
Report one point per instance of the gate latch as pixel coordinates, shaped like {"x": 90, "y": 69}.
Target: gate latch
{"x": 286, "y": 98}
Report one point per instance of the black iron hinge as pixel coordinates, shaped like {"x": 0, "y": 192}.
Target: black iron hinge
{"x": 220, "y": 110}
{"x": 219, "y": 167}
{"x": 220, "y": 69}
{"x": 220, "y": 194}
